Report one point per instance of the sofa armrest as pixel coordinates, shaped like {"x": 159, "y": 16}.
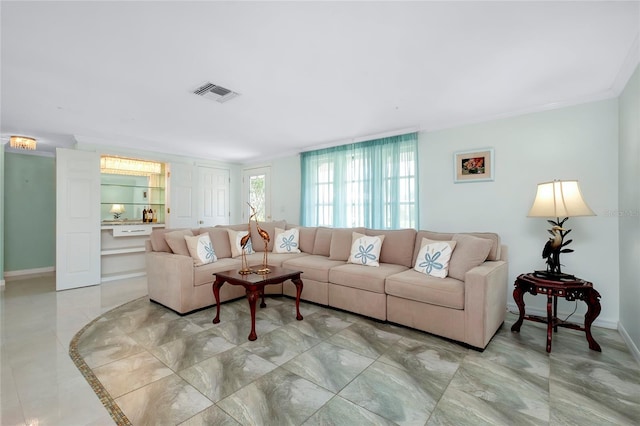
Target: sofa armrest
{"x": 485, "y": 301}
{"x": 169, "y": 278}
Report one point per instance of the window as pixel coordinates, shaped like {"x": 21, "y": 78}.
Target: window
{"x": 372, "y": 184}
{"x": 256, "y": 193}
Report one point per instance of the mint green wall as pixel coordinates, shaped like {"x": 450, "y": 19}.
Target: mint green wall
{"x": 578, "y": 142}
{"x": 1, "y": 213}
{"x": 29, "y": 212}
{"x": 629, "y": 207}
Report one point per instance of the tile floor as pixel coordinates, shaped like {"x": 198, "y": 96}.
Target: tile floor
{"x": 331, "y": 368}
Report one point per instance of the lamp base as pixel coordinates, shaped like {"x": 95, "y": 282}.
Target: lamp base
{"x": 554, "y": 276}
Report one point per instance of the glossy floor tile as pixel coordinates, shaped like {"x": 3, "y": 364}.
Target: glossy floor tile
{"x": 332, "y": 368}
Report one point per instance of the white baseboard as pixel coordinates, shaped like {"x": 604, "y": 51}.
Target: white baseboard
{"x": 1, "y": 283}
{"x": 630, "y": 344}
{"x": 9, "y": 274}
{"x": 577, "y": 318}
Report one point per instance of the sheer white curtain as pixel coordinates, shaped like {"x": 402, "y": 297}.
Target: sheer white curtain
{"x": 372, "y": 184}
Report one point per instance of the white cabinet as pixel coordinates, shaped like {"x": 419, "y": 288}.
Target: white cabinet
{"x": 122, "y": 250}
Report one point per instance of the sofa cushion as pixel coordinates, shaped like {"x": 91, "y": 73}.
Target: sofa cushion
{"x": 270, "y": 228}
{"x": 220, "y": 240}
{"x": 158, "y": 242}
{"x": 201, "y": 249}
{"x": 494, "y": 253}
{"x": 412, "y": 285}
{"x": 275, "y": 259}
{"x": 286, "y": 241}
{"x": 314, "y": 267}
{"x": 235, "y": 238}
{"x": 204, "y": 274}
{"x": 175, "y": 240}
{"x": 470, "y": 252}
{"x": 365, "y": 249}
{"x": 359, "y": 276}
{"x": 341, "y": 240}
{"x": 307, "y": 237}
{"x": 398, "y": 245}
{"x": 322, "y": 242}
{"x": 434, "y": 256}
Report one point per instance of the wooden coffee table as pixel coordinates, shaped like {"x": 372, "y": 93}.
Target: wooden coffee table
{"x": 254, "y": 285}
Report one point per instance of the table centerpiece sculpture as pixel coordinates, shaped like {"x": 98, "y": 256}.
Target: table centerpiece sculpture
{"x": 265, "y": 237}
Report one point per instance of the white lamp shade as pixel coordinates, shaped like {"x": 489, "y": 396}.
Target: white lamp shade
{"x": 117, "y": 208}
{"x": 559, "y": 199}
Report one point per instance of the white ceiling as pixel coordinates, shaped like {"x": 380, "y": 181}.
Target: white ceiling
{"x": 310, "y": 74}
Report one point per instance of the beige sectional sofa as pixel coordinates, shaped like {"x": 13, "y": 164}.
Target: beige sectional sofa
{"x": 468, "y": 305}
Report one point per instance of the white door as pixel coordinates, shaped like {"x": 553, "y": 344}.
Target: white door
{"x": 257, "y": 192}
{"x": 77, "y": 218}
{"x": 213, "y": 199}
{"x": 181, "y": 211}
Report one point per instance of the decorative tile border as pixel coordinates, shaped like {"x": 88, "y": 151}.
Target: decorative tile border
{"x": 114, "y": 411}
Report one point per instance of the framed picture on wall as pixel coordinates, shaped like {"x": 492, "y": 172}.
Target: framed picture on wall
{"x": 473, "y": 166}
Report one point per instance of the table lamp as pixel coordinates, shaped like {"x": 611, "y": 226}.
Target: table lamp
{"x": 556, "y": 199}
{"x": 117, "y": 210}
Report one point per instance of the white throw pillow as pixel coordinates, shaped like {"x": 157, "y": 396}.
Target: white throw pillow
{"x": 365, "y": 250}
{"x": 286, "y": 241}
{"x": 234, "y": 239}
{"x": 434, "y": 256}
{"x": 201, "y": 249}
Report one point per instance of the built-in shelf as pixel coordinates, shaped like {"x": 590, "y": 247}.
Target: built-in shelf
{"x": 123, "y": 235}
{"x": 122, "y": 252}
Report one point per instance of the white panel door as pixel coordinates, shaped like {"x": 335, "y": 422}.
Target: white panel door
{"x": 213, "y": 199}
{"x": 77, "y": 219}
{"x": 181, "y": 211}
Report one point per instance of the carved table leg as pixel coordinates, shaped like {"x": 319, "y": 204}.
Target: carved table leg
{"x": 518, "y": 296}
{"x": 298, "y": 283}
{"x": 216, "y": 293}
{"x": 549, "y": 321}
{"x": 593, "y": 310}
{"x": 262, "y": 304}
{"x": 555, "y": 313}
{"x": 252, "y": 296}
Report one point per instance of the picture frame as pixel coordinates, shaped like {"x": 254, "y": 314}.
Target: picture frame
{"x": 473, "y": 166}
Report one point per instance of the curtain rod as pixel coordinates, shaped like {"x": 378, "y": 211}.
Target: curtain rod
{"x": 364, "y": 138}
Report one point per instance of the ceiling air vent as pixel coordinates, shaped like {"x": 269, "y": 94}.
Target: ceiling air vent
{"x": 216, "y": 93}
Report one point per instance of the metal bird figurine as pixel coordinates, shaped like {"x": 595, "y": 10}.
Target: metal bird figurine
{"x": 265, "y": 237}
{"x": 554, "y": 247}
{"x": 244, "y": 241}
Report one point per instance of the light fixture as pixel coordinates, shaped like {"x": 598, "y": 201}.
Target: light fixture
{"x": 117, "y": 210}
{"x": 558, "y": 199}
{"x": 22, "y": 142}
{"x": 129, "y": 166}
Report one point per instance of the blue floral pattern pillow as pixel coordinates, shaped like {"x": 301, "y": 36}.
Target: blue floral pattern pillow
{"x": 365, "y": 250}
{"x": 201, "y": 249}
{"x": 286, "y": 241}
{"x": 434, "y": 256}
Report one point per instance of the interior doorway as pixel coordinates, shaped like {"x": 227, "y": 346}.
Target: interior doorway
{"x": 257, "y": 193}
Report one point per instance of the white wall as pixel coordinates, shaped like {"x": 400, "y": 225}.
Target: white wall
{"x": 629, "y": 211}
{"x": 579, "y": 142}
{"x": 285, "y": 193}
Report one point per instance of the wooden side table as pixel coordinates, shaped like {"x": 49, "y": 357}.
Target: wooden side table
{"x": 570, "y": 289}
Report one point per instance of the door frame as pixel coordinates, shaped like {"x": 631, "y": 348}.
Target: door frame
{"x": 246, "y": 175}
